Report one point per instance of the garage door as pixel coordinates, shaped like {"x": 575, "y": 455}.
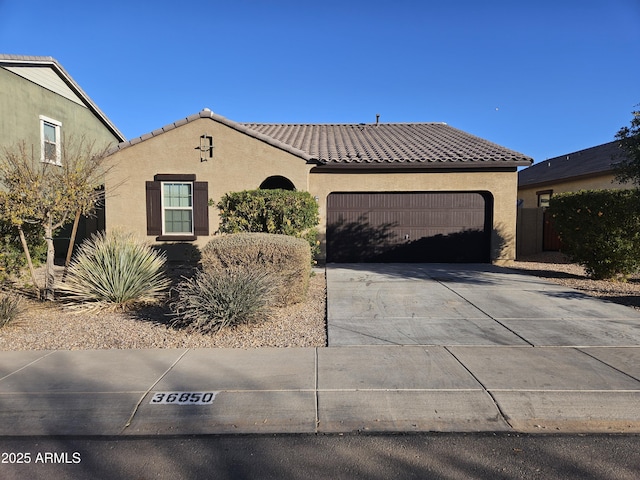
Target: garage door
{"x": 409, "y": 227}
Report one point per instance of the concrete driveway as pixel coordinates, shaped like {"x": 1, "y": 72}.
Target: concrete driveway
{"x": 416, "y": 339}
{"x": 457, "y": 348}
{"x": 467, "y": 305}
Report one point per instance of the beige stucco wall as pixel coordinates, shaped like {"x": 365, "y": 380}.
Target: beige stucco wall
{"x": 501, "y": 185}
{"x": 242, "y": 162}
{"x": 239, "y": 162}
{"x": 529, "y": 197}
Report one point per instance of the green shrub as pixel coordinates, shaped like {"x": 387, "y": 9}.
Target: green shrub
{"x": 600, "y": 229}
{"x": 115, "y": 271}
{"x": 281, "y": 212}
{"x": 10, "y": 308}
{"x": 286, "y": 259}
{"x": 210, "y": 301}
{"x": 12, "y": 257}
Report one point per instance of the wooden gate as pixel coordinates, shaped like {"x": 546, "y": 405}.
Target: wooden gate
{"x": 550, "y": 239}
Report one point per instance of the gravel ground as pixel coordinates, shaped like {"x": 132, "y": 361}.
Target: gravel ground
{"x": 555, "y": 267}
{"x": 46, "y": 326}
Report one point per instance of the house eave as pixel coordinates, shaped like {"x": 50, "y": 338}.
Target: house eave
{"x": 557, "y": 181}
{"x": 405, "y": 168}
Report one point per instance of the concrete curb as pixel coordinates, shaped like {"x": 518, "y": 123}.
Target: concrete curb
{"x": 321, "y": 390}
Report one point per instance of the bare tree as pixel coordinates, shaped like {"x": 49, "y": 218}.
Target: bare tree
{"x": 50, "y": 193}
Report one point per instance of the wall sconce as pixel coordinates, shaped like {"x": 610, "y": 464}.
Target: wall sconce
{"x": 206, "y": 147}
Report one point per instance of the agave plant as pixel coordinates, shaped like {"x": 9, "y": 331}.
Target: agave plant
{"x": 115, "y": 271}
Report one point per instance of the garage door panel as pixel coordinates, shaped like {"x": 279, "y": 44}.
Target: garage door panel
{"x": 408, "y": 227}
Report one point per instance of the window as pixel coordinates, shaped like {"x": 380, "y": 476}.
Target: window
{"x": 50, "y": 140}
{"x": 277, "y": 181}
{"x": 177, "y": 207}
{"x": 544, "y": 197}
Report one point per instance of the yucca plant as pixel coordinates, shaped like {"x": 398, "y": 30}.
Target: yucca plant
{"x": 115, "y": 271}
{"x": 10, "y": 308}
{"x": 210, "y": 301}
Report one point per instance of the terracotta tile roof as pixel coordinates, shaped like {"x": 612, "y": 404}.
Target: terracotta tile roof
{"x": 411, "y": 144}
{"x": 591, "y": 161}
{"x": 361, "y": 145}
{"x": 30, "y": 60}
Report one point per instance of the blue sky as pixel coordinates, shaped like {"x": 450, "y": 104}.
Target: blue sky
{"x": 544, "y": 78}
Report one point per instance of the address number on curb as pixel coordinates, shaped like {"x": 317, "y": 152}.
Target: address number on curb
{"x": 183, "y": 398}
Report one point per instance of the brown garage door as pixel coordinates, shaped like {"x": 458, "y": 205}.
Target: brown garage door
{"x": 409, "y": 227}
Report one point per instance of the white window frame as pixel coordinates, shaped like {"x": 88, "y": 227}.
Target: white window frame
{"x": 165, "y": 207}
{"x": 58, "y": 129}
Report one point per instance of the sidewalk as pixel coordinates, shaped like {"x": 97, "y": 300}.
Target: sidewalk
{"x": 323, "y": 390}
{"x": 413, "y": 348}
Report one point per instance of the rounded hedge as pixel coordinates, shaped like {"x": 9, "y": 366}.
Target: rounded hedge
{"x": 286, "y": 259}
{"x": 277, "y": 211}
{"x": 600, "y": 229}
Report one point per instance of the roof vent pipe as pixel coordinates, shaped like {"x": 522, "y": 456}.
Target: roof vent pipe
{"x": 377, "y": 118}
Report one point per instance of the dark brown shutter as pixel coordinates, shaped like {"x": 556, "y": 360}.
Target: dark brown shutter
{"x": 154, "y": 205}
{"x": 201, "y": 208}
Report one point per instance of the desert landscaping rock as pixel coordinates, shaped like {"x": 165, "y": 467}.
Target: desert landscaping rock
{"x": 45, "y": 326}
{"x": 556, "y": 268}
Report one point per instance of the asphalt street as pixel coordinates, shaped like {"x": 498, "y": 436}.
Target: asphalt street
{"x": 423, "y": 456}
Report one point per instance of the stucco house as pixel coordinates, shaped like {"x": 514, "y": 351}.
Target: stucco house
{"x": 41, "y": 105}
{"x": 588, "y": 169}
{"x": 386, "y": 192}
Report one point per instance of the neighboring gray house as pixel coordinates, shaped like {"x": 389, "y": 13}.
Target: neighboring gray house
{"x": 41, "y": 105}
{"x": 588, "y": 169}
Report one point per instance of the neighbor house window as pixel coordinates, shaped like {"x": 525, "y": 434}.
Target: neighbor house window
{"x": 50, "y": 140}
{"x": 544, "y": 197}
{"x": 177, "y": 207}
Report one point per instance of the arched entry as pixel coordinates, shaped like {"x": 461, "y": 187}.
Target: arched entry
{"x": 277, "y": 182}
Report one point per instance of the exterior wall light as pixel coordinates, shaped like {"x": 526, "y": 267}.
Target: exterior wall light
{"x": 206, "y": 147}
